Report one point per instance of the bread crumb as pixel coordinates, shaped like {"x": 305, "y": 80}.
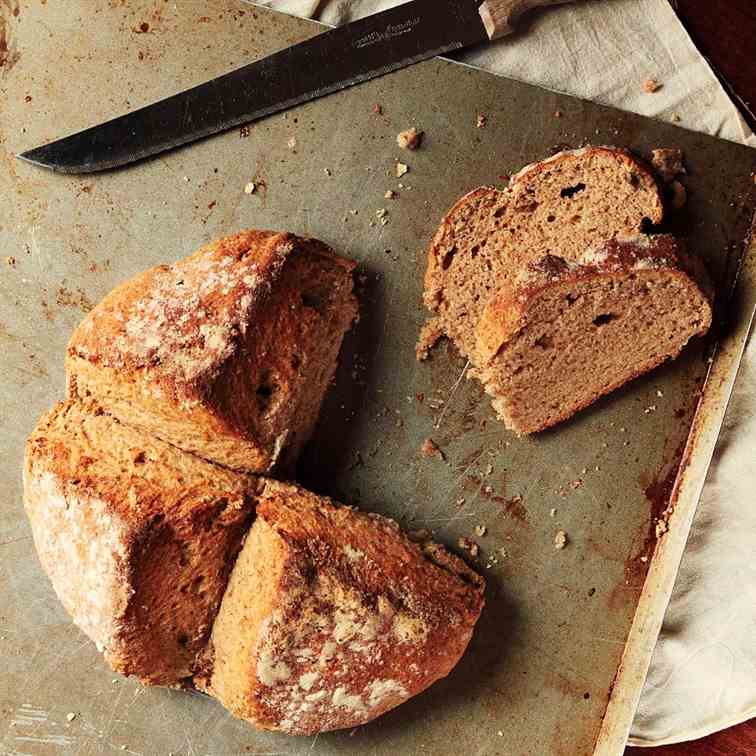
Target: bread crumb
{"x": 431, "y": 449}
{"x": 503, "y": 552}
{"x": 71, "y": 716}
{"x": 377, "y": 109}
{"x": 560, "y": 539}
{"x": 651, "y": 85}
{"x": 410, "y": 139}
{"x": 250, "y": 188}
{"x": 552, "y": 512}
{"x": 576, "y": 483}
{"x": 460, "y": 502}
{"x": 557, "y": 114}
{"x": 650, "y": 409}
{"x": 480, "y": 530}
{"x": 668, "y": 163}
{"x": 419, "y": 535}
{"x": 481, "y": 121}
{"x": 401, "y": 169}
{"x": 644, "y": 559}
{"x": 468, "y": 545}
{"x": 659, "y": 392}
{"x": 500, "y": 733}
{"x": 679, "y": 195}
{"x": 381, "y": 213}
{"x": 661, "y": 528}
{"x": 327, "y": 171}
{"x": 10, "y": 261}
{"x": 292, "y": 143}
{"x": 430, "y": 333}
{"x": 676, "y": 118}
{"x": 390, "y": 194}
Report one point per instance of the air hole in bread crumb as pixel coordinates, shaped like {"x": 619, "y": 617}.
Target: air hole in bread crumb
{"x": 551, "y": 218}
{"x": 499, "y": 212}
{"x": 295, "y": 362}
{"x": 647, "y": 226}
{"x": 474, "y": 251}
{"x": 313, "y": 299}
{"x": 264, "y": 394}
{"x": 571, "y": 191}
{"x": 571, "y": 298}
{"x": 183, "y": 639}
{"x": 448, "y": 258}
{"x": 544, "y": 342}
{"x": 604, "y": 319}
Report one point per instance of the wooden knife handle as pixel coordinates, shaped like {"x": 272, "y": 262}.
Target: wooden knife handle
{"x": 500, "y": 16}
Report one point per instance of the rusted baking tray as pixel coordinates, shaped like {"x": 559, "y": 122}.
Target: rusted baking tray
{"x": 559, "y": 657}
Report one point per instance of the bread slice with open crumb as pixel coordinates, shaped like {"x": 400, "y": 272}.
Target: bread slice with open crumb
{"x": 565, "y": 332}
{"x": 332, "y": 617}
{"x": 562, "y": 206}
{"x": 137, "y": 537}
{"x": 227, "y": 353}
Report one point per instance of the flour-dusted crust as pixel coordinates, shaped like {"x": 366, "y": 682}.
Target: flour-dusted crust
{"x": 226, "y": 353}
{"x": 137, "y": 537}
{"x": 348, "y": 619}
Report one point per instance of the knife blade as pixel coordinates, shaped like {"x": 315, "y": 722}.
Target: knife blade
{"x": 329, "y": 62}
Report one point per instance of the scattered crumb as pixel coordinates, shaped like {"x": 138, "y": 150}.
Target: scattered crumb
{"x": 480, "y": 530}
{"x": 552, "y": 512}
{"x": 410, "y": 139}
{"x": 659, "y": 392}
{"x": 500, "y": 733}
{"x": 650, "y": 409}
{"x": 430, "y": 333}
{"x": 489, "y": 470}
{"x": 292, "y": 143}
{"x": 560, "y": 539}
{"x": 10, "y": 261}
{"x": 488, "y": 490}
{"x": 390, "y": 194}
{"x": 644, "y": 559}
{"x": 661, "y": 528}
{"x": 503, "y": 552}
{"x": 71, "y": 716}
{"x": 679, "y": 195}
{"x": 651, "y": 85}
{"x": 576, "y": 483}
{"x": 668, "y": 163}
{"x": 557, "y": 114}
{"x": 481, "y": 121}
{"x": 381, "y": 213}
{"x": 250, "y": 188}
{"x": 327, "y": 171}
{"x": 244, "y": 132}
{"x": 123, "y": 747}
{"x": 401, "y": 169}
{"x": 468, "y": 545}
{"x": 377, "y": 109}
{"x": 676, "y": 118}
{"x": 460, "y": 502}
{"x": 431, "y": 449}
{"x": 419, "y": 535}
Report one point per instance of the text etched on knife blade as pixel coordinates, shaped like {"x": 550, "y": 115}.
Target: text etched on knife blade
{"x": 391, "y": 32}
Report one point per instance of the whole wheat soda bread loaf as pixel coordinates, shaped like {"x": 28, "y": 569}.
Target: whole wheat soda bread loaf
{"x": 138, "y": 537}
{"x": 332, "y": 617}
{"x": 227, "y": 353}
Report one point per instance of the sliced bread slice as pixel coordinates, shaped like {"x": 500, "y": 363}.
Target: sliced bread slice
{"x": 562, "y": 206}
{"x": 567, "y": 331}
{"x": 333, "y": 617}
{"x": 137, "y": 537}
{"x": 227, "y": 353}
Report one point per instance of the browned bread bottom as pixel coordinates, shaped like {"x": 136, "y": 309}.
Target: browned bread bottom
{"x": 332, "y": 617}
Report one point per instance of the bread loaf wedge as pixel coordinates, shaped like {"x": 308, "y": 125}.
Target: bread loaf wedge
{"x": 138, "y": 538}
{"x": 562, "y": 206}
{"x": 227, "y": 353}
{"x": 565, "y": 332}
{"x": 333, "y": 617}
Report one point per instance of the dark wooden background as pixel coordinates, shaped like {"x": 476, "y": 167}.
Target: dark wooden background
{"x": 725, "y": 32}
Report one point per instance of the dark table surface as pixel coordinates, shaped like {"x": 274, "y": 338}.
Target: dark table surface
{"x": 725, "y": 32}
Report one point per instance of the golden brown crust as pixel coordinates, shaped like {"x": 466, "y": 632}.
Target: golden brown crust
{"x": 358, "y": 620}
{"x": 193, "y": 352}
{"x": 137, "y": 537}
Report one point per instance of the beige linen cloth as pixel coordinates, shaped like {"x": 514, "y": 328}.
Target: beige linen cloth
{"x": 703, "y": 673}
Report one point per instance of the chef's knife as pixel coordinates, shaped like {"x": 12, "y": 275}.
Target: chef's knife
{"x": 334, "y": 60}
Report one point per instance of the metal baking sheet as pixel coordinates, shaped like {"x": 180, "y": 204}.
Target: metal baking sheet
{"x": 547, "y": 656}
